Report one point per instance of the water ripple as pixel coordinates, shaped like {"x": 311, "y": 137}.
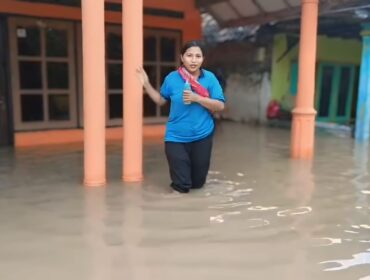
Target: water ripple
{"x": 327, "y": 241}
{"x": 257, "y": 223}
{"x": 297, "y": 211}
{"x": 229, "y": 205}
{"x": 221, "y": 218}
{"x": 358, "y": 259}
{"x": 261, "y": 208}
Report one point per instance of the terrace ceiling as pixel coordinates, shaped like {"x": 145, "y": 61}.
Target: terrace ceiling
{"x": 233, "y": 13}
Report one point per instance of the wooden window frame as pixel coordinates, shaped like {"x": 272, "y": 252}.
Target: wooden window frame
{"x": 19, "y": 125}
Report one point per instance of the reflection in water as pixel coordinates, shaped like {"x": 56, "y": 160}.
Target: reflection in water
{"x": 301, "y": 186}
{"x": 297, "y": 211}
{"x": 358, "y": 259}
{"x": 221, "y": 218}
{"x": 240, "y": 192}
{"x": 360, "y": 180}
{"x": 95, "y": 212}
{"x": 361, "y": 172}
{"x": 261, "y": 208}
{"x": 260, "y": 215}
{"x": 256, "y": 223}
{"x": 351, "y": 231}
{"x": 361, "y": 226}
{"x": 327, "y": 241}
{"x": 229, "y": 205}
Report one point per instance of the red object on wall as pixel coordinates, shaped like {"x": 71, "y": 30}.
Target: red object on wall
{"x": 273, "y": 110}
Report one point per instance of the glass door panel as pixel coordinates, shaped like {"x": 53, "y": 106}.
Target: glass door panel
{"x": 335, "y": 92}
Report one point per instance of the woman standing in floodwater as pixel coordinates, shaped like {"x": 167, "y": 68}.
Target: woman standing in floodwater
{"x": 195, "y": 94}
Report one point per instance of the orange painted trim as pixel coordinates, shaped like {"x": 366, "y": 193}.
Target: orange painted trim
{"x": 22, "y": 7}
{"x": 183, "y": 5}
{"x": 52, "y": 137}
{"x": 190, "y": 26}
{"x": 73, "y": 13}
{"x": 39, "y": 10}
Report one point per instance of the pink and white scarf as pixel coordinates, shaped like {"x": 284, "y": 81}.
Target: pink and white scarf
{"x": 195, "y": 85}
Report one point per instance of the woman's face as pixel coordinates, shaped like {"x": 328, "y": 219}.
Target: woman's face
{"x": 192, "y": 59}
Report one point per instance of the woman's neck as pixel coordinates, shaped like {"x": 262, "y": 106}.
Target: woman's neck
{"x": 195, "y": 74}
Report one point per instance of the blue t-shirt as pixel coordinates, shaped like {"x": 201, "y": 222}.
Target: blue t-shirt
{"x": 188, "y": 123}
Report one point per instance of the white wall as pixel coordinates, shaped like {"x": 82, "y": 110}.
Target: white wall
{"x": 247, "y": 97}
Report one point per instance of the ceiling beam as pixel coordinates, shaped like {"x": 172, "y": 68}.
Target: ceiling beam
{"x": 287, "y": 4}
{"x": 234, "y": 9}
{"x": 259, "y": 7}
{"x": 264, "y": 18}
{"x": 206, "y": 3}
{"x": 326, "y": 7}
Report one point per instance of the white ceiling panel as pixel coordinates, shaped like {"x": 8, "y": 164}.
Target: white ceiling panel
{"x": 246, "y": 8}
{"x": 224, "y": 11}
{"x": 272, "y": 5}
{"x": 246, "y": 12}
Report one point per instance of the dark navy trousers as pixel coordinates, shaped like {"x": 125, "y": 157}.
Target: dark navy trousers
{"x": 189, "y": 163}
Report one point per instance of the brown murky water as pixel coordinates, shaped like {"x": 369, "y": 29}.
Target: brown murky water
{"x": 261, "y": 215}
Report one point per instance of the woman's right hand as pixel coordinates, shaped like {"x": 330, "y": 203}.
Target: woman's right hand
{"x": 152, "y": 92}
{"x": 143, "y": 77}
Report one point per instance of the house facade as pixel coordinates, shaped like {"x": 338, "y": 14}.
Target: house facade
{"x": 41, "y": 98}
{"x": 337, "y": 76}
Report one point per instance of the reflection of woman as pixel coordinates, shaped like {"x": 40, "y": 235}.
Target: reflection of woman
{"x": 194, "y": 94}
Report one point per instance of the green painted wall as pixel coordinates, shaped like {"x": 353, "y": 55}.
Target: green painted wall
{"x": 280, "y": 77}
{"x": 334, "y": 50}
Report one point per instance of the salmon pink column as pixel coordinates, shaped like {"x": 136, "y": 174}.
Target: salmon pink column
{"x": 93, "y": 51}
{"x": 132, "y": 91}
{"x": 303, "y": 127}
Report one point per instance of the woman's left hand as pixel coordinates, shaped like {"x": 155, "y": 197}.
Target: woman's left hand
{"x": 190, "y": 97}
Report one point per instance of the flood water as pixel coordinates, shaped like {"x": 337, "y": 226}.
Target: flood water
{"x": 260, "y": 216}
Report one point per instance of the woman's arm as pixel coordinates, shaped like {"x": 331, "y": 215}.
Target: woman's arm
{"x": 213, "y": 105}
{"x": 152, "y": 92}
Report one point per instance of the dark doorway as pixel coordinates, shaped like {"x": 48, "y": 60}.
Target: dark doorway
{"x": 6, "y": 136}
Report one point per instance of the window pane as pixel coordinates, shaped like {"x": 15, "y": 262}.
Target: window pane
{"x": 114, "y": 46}
{"x": 294, "y": 79}
{"x": 150, "y": 49}
{"x": 32, "y": 107}
{"x": 59, "y": 107}
{"x": 29, "y": 41}
{"x": 150, "y": 108}
{"x": 115, "y": 106}
{"x": 58, "y": 77}
{"x": 115, "y": 76}
{"x": 74, "y": 3}
{"x": 168, "y": 49}
{"x": 325, "y": 91}
{"x": 345, "y": 77}
{"x": 165, "y": 70}
{"x": 30, "y": 75}
{"x": 56, "y": 43}
{"x": 165, "y": 109}
{"x": 151, "y": 70}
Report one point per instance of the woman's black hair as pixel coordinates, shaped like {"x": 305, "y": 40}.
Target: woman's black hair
{"x": 190, "y": 44}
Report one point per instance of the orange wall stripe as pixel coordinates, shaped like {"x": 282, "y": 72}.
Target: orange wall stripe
{"x": 190, "y": 26}
{"x": 52, "y": 137}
